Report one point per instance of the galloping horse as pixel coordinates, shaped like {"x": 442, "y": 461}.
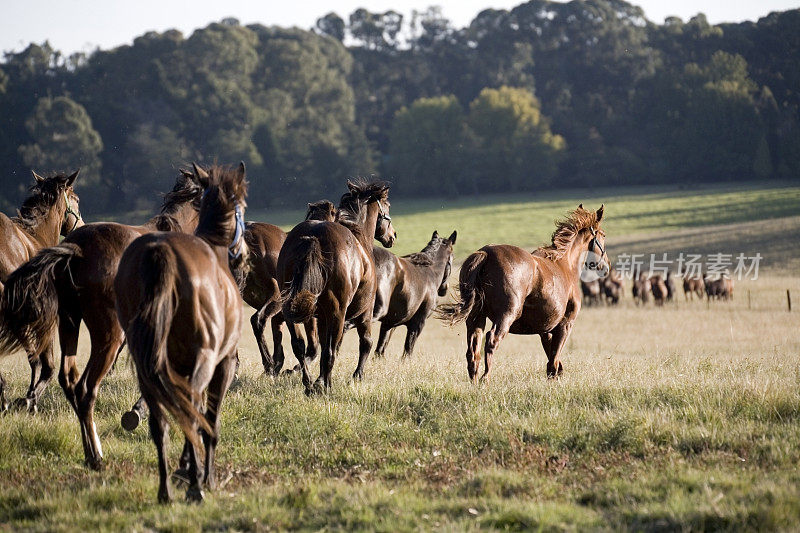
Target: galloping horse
{"x": 261, "y": 291}
{"x": 50, "y": 210}
{"x": 327, "y": 271}
{"x": 526, "y": 293}
{"x": 408, "y": 287}
{"x": 182, "y": 314}
{"x": 73, "y": 281}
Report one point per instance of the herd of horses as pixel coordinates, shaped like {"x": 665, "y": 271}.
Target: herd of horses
{"x": 662, "y": 288}
{"x": 172, "y": 289}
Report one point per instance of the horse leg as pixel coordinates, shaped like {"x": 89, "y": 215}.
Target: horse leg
{"x": 277, "y": 342}
{"x": 364, "y": 329}
{"x": 220, "y": 382}
{"x": 160, "y": 436}
{"x": 475, "y": 327}
{"x": 312, "y": 341}
{"x": 558, "y": 338}
{"x": 107, "y": 336}
{"x": 46, "y": 370}
{"x": 413, "y": 329}
{"x": 259, "y": 323}
{"x": 298, "y": 345}
{"x": 3, "y": 403}
{"x": 494, "y": 336}
{"x": 68, "y": 375}
{"x": 383, "y": 339}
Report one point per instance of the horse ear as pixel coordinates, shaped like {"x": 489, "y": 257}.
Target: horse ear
{"x": 241, "y": 170}
{"x": 452, "y": 237}
{"x": 435, "y": 235}
{"x": 72, "y": 177}
{"x": 201, "y": 175}
{"x": 187, "y": 174}
{"x": 580, "y": 206}
{"x": 600, "y": 213}
{"x": 36, "y": 176}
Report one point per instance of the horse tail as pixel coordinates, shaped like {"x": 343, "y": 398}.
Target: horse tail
{"x": 29, "y": 303}
{"x": 147, "y": 334}
{"x": 470, "y": 292}
{"x": 308, "y": 281}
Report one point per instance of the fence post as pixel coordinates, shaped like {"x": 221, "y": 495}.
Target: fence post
{"x": 748, "y": 299}
{"x": 789, "y": 299}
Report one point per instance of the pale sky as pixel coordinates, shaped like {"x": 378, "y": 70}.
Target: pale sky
{"x": 82, "y": 25}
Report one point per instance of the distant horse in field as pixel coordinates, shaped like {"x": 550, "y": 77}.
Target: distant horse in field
{"x": 641, "y": 288}
{"x": 526, "y": 293}
{"x": 327, "y": 271}
{"x": 670, "y": 284}
{"x": 591, "y": 292}
{"x": 261, "y": 291}
{"x": 50, "y": 210}
{"x": 182, "y": 314}
{"x": 408, "y": 287}
{"x": 659, "y": 289}
{"x": 719, "y": 288}
{"x": 611, "y": 287}
{"x": 73, "y": 282}
{"x": 693, "y": 285}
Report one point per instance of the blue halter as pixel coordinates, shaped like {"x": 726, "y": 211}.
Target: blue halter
{"x": 234, "y": 250}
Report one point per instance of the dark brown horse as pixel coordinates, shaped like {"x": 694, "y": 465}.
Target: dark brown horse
{"x": 182, "y": 314}
{"x": 261, "y": 291}
{"x": 408, "y": 287}
{"x": 591, "y": 291}
{"x": 641, "y": 288}
{"x": 611, "y": 287}
{"x": 526, "y": 293}
{"x": 73, "y": 282}
{"x": 659, "y": 289}
{"x": 50, "y": 210}
{"x": 693, "y": 285}
{"x": 327, "y": 271}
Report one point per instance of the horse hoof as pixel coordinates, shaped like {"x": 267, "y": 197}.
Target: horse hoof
{"x": 95, "y": 464}
{"x": 164, "y": 497}
{"x": 130, "y": 420}
{"x": 195, "y": 495}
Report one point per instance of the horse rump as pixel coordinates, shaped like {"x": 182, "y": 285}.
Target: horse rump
{"x": 470, "y": 292}
{"x": 308, "y": 281}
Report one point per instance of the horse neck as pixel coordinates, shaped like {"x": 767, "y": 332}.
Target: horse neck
{"x": 572, "y": 257}
{"x": 48, "y": 228}
{"x": 370, "y": 221}
{"x": 187, "y": 216}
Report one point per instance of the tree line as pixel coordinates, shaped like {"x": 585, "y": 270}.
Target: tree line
{"x": 547, "y": 94}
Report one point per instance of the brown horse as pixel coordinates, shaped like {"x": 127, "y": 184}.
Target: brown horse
{"x": 526, "y": 293}
{"x": 720, "y": 288}
{"x": 669, "y": 281}
{"x": 181, "y": 310}
{"x": 659, "y": 289}
{"x": 591, "y": 291}
{"x": 261, "y": 291}
{"x": 641, "y": 288}
{"x": 611, "y": 287}
{"x": 693, "y": 285}
{"x": 407, "y": 288}
{"x": 50, "y": 210}
{"x": 74, "y": 281}
{"x": 327, "y": 271}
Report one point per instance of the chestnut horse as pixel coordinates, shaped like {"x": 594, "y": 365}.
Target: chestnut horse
{"x": 659, "y": 289}
{"x": 261, "y": 292}
{"x": 612, "y": 287}
{"x": 182, "y": 314}
{"x": 73, "y": 281}
{"x": 327, "y": 271}
{"x": 693, "y": 285}
{"x": 641, "y": 287}
{"x": 408, "y": 287}
{"x": 526, "y": 293}
{"x": 50, "y": 210}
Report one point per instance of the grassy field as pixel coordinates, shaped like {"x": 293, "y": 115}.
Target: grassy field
{"x": 686, "y": 417}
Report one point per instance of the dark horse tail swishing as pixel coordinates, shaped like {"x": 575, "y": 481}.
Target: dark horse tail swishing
{"x": 73, "y": 283}
{"x": 182, "y": 314}
{"x": 526, "y": 293}
{"x": 50, "y": 210}
{"x": 327, "y": 271}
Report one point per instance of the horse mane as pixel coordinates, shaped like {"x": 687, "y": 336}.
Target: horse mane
{"x": 425, "y": 256}
{"x": 353, "y": 202}
{"x": 164, "y": 222}
{"x": 224, "y": 190}
{"x": 185, "y": 190}
{"x": 566, "y": 231}
{"x": 42, "y": 196}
